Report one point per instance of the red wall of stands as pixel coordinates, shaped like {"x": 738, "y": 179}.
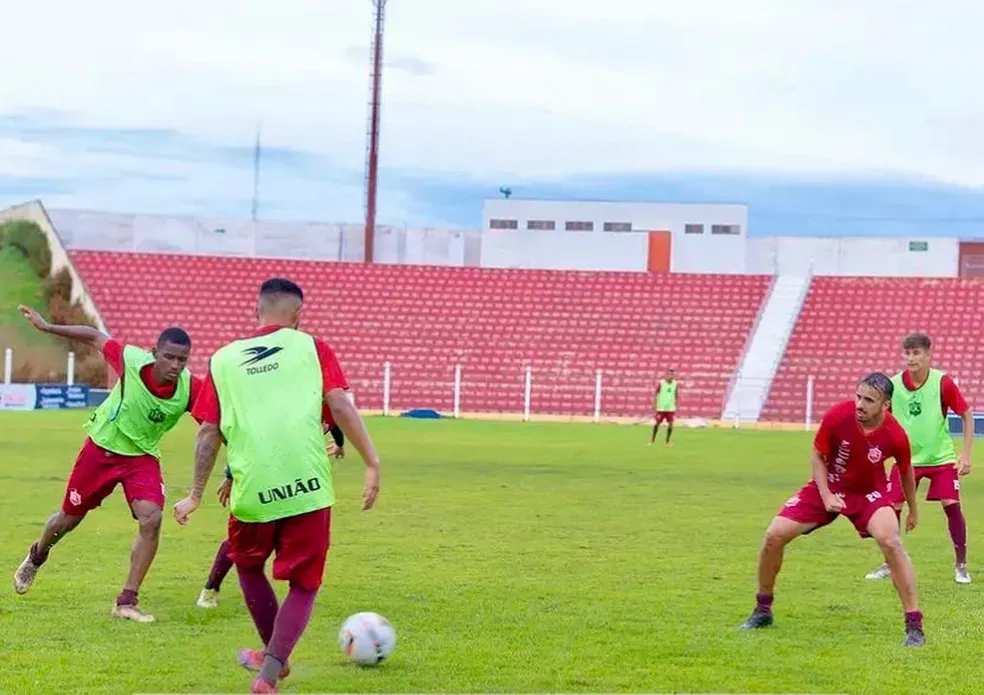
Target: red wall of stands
{"x": 851, "y": 326}
{"x": 494, "y": 322}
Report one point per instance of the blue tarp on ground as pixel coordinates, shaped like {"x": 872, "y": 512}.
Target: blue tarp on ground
{"x": 422, "y": 413}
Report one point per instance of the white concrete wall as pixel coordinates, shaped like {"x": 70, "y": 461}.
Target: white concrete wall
{"x": 690, "y": 253}
{"x": 546, "y": 250}
{"x": 35, "y": 212}
{"x": 852, "y": 256}
{"x": 105, "y": 231}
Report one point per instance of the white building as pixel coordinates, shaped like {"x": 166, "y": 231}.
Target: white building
{"x": 657, "y": 237}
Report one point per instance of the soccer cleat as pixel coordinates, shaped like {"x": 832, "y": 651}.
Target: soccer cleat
{"x": 261, "y": 686}
{"x": 25, "y": 574}
{"x": 209, "y": 598}
{"x": 961, "y": 575}
{"x": 883, "y": 572}
{"x": 756, "y": 620}
{"x": 132, "y": 612}
{"x": 914, "y": 637}
{"x": 252, "y": 660}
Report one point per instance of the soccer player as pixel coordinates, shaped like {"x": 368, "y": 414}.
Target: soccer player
{"x": 209, "y": 597}
{"x": 665, "y": 405}
{"x": 922, "y": 397}
{"x": 849, "y": 453}
{"x": 123, "y": 447}
{"x": 263, "y": 397}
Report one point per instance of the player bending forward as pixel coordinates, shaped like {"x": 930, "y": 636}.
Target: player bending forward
{"x": 209, "y": 597}
{"x": 123, "y": 447}
{"x": 264, "y": 397}
{"x": 849, "y": 454}
{"x": 920, "y": 402}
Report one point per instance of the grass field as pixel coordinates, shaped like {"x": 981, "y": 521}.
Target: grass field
{"x": 511, "y": 558}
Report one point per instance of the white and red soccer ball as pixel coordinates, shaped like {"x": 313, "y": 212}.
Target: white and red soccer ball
{"x": 366, "y": 638}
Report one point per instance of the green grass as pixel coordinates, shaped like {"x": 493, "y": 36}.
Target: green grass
{"x": 511, "y": 558}
{"x": 19, "y": 284}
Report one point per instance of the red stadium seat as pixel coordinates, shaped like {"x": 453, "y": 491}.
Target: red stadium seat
{"x": 424, "y": 320}
{"x": 851, "y": 326}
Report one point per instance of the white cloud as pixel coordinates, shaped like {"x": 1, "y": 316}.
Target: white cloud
{"x": 529, "y": 87}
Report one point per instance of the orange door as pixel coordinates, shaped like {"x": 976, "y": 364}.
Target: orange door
{"x": 659, "y": 252}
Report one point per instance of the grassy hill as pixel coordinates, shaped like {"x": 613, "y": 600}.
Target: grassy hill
{"x": 37, "y": 356}
{"x": 24, "y": 267}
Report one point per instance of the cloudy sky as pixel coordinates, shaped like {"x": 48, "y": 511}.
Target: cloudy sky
{"x": 858, "y": 117}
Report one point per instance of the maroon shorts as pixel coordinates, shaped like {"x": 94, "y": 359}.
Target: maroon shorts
{"x": 806, "y": 507}
{"x": 97, "y": 472}
{"x": 301, "y": 544}
{"x": 664, "y": 416}
{"x": 944, "y": 483}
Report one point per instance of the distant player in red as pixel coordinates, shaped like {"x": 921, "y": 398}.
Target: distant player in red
{"x": 122, "y": 448}
{"x": 850, "y": 449}
{"x": 665, "y": 405}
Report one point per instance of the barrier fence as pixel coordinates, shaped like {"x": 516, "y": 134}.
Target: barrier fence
{"x": 586, "y": 394}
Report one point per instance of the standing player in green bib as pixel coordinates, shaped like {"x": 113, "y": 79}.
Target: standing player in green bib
{"x": 122, "y": 448}
{"x": 263, "y": 397}
{"x": 922, "y": 397}
{"x": 665, "y": 405}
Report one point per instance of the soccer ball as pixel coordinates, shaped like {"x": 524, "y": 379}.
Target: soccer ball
{"x": 366, "y": 638}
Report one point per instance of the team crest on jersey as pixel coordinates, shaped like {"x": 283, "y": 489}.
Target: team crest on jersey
{"x": 875, "y": 454}
{"x": 915, "y": 407}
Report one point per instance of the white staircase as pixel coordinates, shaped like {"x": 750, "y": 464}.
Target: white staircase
{"x": 765, "y": 348}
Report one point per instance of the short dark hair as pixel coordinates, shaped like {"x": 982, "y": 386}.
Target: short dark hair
{"x": 917, "y": 341}
{"x": 281, "y": 286}
{"x": 880, "y": 382}
{"x": 175, "y": 336}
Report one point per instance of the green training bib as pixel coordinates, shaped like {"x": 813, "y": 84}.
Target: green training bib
{"x": 132, "y": 420}
{"x": 666, "y": 398}
{"x": 271, "y": 393}
{"x": 921, "y": 416}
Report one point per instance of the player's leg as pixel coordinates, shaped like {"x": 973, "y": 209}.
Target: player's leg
{"x": 144, "y": 490}
{"x": 781, "y": 532}
{"x": 302, "y": 550}
{"x": 802, "y": 513}
{"x": 883, "y": 526}
{"x": 250, "y": 544}
{"x": 209, "y": 598}
{"x": 669, "y": 427}
{"x": 896, "y": 498}
{"x": 944, "y": 487}
{"x": 88, "y": 485}
{"x": 658, "y": 419}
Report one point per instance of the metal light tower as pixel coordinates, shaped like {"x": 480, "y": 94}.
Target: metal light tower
{"x": 372, "y": 145}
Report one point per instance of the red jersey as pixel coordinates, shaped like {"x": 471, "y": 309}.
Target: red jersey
{"x": 113, "y": 353}
{"x": 950, "y": 397}
{"x": 855, "y": 458}
{"x": 207, "y": 407}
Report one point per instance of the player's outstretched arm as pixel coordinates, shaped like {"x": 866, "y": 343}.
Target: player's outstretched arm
{"x": 82, "y": 334}
{"x": 206, "y": 451}
{"x": 348, "y": 419}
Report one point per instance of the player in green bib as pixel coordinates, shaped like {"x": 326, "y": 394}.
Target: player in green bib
{"x": 263, "y": 398}
{"x": 665, "y": 405}
{"x": 923, "y": 396}
{"x": 122, "y": 448}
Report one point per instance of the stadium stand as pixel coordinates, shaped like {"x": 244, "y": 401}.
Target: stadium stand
{"x": 425, "y": 319}
{"x": 850, "y": 326}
